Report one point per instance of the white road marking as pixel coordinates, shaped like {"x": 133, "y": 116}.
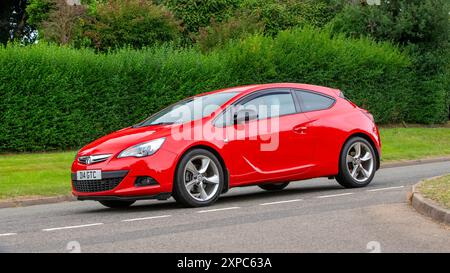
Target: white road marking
{"x": 70, "y": 227}
{"x": 212, "y": 210}
{"x": 280, "y": 202}
{"x": 388, "y": 188}
{"x": 146, "y": 218}
{"x": 7, "y": 234}
{"x": 335, "y": 195}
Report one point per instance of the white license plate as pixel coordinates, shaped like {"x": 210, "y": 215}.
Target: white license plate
{"x": 89, "y": 175}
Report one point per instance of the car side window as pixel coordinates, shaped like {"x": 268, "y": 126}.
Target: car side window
{"x": 271, "y": 105}
{"x": 313, "y": 101}
{"x": 265, "y": 105}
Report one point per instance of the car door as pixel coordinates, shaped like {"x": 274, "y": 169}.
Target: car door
{"x": 275, "y": 145}
{"x": 324, "y": 127}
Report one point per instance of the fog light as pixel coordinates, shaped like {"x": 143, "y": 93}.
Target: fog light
{"x": 143, "y": 181}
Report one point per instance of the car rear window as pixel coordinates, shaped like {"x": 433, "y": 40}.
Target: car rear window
{"x": 312, "y": 101}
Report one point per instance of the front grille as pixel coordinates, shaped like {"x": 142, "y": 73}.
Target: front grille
{"x": 96, "y": 185}
{"x": 92, "y": 159}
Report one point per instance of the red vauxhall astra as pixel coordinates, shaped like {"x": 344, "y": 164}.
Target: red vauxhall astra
{"x": 265, "y": 135}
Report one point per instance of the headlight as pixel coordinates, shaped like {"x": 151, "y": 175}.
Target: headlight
{"x": 143, "y": 149}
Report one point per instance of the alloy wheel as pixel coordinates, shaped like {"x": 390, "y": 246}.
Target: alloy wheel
{"x": 360, "y": 162}
{"x": 201, "y": 178}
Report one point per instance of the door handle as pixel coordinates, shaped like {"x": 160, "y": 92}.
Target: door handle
{"x": 300, "y": 129}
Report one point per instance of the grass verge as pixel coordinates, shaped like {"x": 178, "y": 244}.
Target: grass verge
{"x": 48, "y": 174}
{"x": 437, "y": 190}
{"x": 414, "y": 143}
{"x": 27, "y": 175}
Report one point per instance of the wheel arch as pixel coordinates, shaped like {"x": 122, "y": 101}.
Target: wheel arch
{"x": 370, "y": 140}
{"x": 226, "y": 184}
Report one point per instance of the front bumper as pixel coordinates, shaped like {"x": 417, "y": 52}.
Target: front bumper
{"x": 159, "y": 196}
{"x": 119, "y": 176}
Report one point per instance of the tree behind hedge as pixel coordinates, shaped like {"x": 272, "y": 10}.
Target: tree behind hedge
{"x": 422, "y": 28}
{"x": 195, "y": 14}
{"x": 218, "y": 34}
{"x": 268, "y": 17}
{"x": 13, "y": 22}
{"x": 127, "y": 23}
{"x": 278, "y": 15}
{"x": 104, "y": 25}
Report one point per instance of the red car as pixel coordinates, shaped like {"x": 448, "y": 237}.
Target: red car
{"x": 200, "y": 147}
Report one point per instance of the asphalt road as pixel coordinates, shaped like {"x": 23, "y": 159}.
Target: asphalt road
{"x": 309, "y": 216}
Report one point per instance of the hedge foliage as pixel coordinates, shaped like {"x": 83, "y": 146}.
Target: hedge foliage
{"x": 54, "y": 98}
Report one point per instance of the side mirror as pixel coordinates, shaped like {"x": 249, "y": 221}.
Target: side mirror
{"x": 244, "y": 115}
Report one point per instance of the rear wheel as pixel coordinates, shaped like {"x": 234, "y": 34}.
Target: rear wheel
{"x": 116, "y": 204}
{"x": 357, "y": 164}
{"x": 274, "y": 186}
{"x": 199, "y": 179}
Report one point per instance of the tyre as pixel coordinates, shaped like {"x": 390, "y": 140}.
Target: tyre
{"x": 199, "y": 179}
{"x": 116, "y": 204}
{"x": 274, "y": 186}
{"x": 357, "y": 163}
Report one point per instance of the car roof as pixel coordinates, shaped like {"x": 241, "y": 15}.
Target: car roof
{"x": 256, "y": 87}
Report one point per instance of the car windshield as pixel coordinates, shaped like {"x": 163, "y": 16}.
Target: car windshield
{"x": 188, "y": 109}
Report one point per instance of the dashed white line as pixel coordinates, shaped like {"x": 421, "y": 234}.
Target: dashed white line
{"x": 7, "y": 234}
{"x": 388, "y": 188}
{"x": 212, "y": 210}
{"x": 280, "y": 202}
{"x": 335, "y": 195}
{"x": 70, "y": 227}
{"x": 146, "y": 218}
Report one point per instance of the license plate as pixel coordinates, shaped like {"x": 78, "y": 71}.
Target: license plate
{"x": 89, "y": 175}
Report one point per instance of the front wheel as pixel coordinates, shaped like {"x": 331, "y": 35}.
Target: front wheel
{"x": 274, "y": 186}
{"x": 116, "y": 204}
{"x": 199, "y": 179}
{"x": 357, "y": 164}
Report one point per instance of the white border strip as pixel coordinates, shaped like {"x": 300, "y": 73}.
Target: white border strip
{"x": 146, "y": 218}
{"x": 335, "y": 195}
{"x": 213, "y": 210}
{"x": 385, "y": 189}
{"x": 70, "y": 227}
{"x": 7, "y": 234}
{"x": 280, "y": 202}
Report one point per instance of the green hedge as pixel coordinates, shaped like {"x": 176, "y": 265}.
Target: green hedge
{"x": 54, "y": 98}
